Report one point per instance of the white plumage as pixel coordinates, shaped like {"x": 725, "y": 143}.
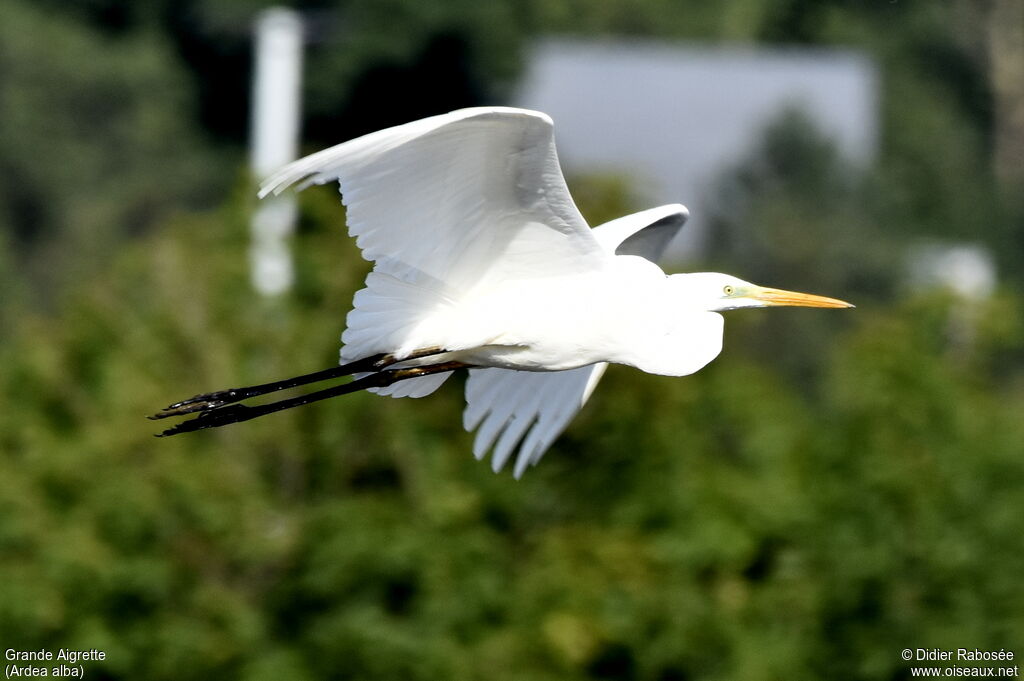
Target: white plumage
{"x": 510, "y": 406}
{"x": 482, "y": 260}
{"x": 482, "y": 191}
{"x": 486, "y": 186}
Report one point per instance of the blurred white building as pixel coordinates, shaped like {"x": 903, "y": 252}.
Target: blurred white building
{"x": 674, "y": 117}
{"x": 965, "y": 269}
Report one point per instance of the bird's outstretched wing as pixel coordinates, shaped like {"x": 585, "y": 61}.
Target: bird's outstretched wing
{"x": 646, "y": 234}
{"x": 508, "y": 406}
{"x": 443, "y": 206}
{"x": 534, "y": 408}
{"x": 456, "y": 199}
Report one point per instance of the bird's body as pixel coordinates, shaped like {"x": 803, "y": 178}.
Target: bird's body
{"x": 481, "y": 260}
{"x": 613, "y": 315}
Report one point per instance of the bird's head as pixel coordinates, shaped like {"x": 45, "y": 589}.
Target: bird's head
{"x": 719, "y": 292}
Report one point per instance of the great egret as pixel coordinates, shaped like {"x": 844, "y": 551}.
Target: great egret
{"x": 482, "y": 261}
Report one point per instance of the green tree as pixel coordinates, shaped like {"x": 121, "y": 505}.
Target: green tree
{"x": 97, "y": 144}
{"x": 726, "y": 525}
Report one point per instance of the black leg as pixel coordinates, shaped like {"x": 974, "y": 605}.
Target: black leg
{"x": 235, "y": 413}
{"x": 220, "y": 398}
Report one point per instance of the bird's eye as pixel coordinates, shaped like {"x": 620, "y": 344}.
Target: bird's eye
{"x": 728, "y": 290}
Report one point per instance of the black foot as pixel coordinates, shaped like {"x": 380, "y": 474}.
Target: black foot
{"x": 220, "y": 408}
{"x": 222, "y": 416}
{"x": 203, "y": 402}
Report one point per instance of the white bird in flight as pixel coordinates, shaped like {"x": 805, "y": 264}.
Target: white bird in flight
{"x": 482, "y": 261}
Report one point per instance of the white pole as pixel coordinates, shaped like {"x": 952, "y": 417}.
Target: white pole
{"x": 275, "y": 139}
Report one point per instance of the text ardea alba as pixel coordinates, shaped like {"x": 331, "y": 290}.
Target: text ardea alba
{"x": 482, "y": 261}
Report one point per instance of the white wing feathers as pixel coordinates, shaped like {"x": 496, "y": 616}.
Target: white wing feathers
{"x": 506, "y": 405}
{"x": 646, "y": 234}
{"x": 471, "y": 194}
{"x": 442, "y": 206}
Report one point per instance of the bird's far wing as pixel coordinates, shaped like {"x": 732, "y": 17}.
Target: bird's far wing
{"x": 646, "y": 234}
{"x": 533, "y": 407}
{"x": 457, "y": 198}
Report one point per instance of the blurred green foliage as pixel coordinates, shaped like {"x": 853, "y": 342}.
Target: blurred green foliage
{"x": 835, "y": 488}
{"x": 726, "y": 525}
{"x": 97, "y": 142}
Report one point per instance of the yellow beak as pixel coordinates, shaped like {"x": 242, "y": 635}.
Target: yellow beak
{"x": 776, "y": 296}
